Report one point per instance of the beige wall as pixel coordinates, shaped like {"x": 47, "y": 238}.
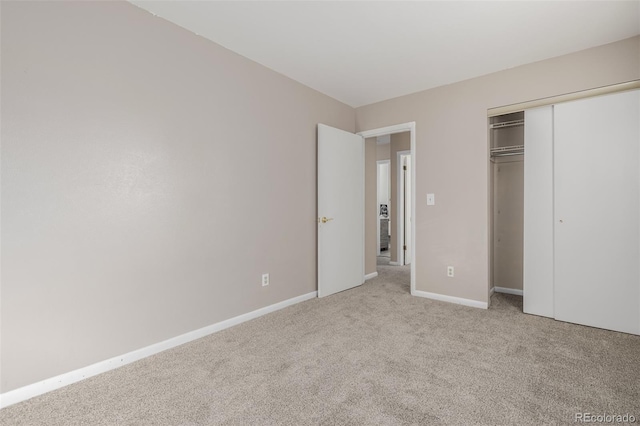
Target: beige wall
{"x": 371, "y": 206}
{"x": 149, "y": 178}
{"x": 383, "y": 152}
{"x": 452, "y": 155}
{"x": 399, "y": 142}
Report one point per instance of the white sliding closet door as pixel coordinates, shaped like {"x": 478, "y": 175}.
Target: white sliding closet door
{"x": 538, "y": 212}
{"x": 597, "y": 211}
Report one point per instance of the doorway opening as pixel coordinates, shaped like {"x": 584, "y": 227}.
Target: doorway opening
{"x": 506, "y": 156}
{"x": 383, "y": 189}
{"x": 392, "y": 216}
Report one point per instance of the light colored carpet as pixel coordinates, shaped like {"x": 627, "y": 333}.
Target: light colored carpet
{"x": 371, "y": 355}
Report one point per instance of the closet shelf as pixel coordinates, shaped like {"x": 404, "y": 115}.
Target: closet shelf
{"x": 503, "y": 151}
{"x": 506, "y": 124}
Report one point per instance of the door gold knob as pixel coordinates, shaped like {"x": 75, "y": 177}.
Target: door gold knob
{"x": 325, "y": 219}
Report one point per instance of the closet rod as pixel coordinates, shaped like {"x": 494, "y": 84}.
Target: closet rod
{"x": 506, "y": 124}
{"x": 503, "y": 151}
{"x": 506, "y": 154}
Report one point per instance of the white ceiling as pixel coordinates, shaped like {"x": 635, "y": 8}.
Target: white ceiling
{"x": 363, "y": 52}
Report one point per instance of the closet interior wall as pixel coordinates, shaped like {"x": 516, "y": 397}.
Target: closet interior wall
{"x": 506, "y": 133}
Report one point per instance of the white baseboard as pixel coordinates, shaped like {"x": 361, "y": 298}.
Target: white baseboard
{"x": 371, "y": 275}
{"x": 393, "y": 263}
{"x": 507, "y": 290}
{"x": 48, "y": 385}
{"x": 451, "y": 299}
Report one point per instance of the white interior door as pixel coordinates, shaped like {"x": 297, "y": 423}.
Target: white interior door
{"x": 596, "y": 212}
{"x": 340, "y": 210}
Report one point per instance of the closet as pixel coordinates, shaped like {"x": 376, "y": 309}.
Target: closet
{"x": 581, "y": 211}
{"x": 507, "y": 189}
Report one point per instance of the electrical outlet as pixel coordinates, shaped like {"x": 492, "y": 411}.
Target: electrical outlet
{"x": 265, "y": 279}
{"x": 450, "y": 271}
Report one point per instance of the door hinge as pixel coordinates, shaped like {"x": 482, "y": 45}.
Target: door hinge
{"x": 404, "y": 248}
{"x": 404, "y": 167}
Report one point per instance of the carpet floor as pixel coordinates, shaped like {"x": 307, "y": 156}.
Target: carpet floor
{"x": 372, "y": 355}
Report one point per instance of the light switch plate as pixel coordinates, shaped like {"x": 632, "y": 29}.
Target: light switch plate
{"x": 431, "y": 199}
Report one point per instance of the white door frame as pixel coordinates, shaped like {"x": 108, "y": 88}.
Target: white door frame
{"x": 400, "y": 207}
{"x": 389, "y": 130}
{"x": 378, "y": 163}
